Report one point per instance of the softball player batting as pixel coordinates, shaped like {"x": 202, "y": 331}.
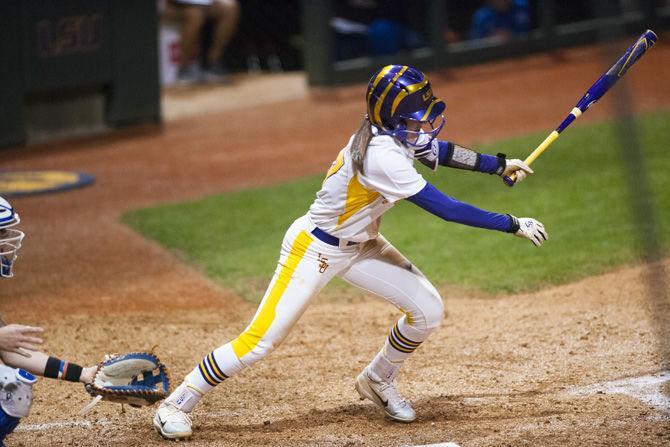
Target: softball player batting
{"x": 339, "y": 235}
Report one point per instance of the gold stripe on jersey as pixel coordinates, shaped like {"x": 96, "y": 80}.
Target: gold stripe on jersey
{"x": 382, "y": 97}
{"x": 337, "y": 164}
{"x": 357, "y": 197}
{"x": 248, "y": 340}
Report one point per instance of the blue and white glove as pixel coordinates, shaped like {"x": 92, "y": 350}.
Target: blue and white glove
{"x": 135, "y": 378}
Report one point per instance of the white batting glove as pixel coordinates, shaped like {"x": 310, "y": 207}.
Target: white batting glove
{"x": 532, "y": 230}
{"x": 515, "y": 165}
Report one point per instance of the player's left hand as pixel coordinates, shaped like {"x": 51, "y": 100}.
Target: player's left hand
{"x": 533, "y": 230}
{"x": 20, "y": 339}
{"x": 515, "y": 165}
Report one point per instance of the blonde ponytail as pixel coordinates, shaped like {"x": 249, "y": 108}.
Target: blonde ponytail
{"x": 359, "y": 145}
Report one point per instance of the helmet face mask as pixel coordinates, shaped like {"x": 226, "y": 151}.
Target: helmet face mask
{"x": 398, "y": 95}
{"x": 10, "y": 242}
{"x": 10, "y": 238}
{"x": 424, "y": 134}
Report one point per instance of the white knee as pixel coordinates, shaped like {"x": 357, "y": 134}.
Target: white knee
{"x": 430, "y": 309}
{"x": 434, "y": 311}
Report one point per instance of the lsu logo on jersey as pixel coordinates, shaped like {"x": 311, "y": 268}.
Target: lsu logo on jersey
{"x": 323, "y": 263}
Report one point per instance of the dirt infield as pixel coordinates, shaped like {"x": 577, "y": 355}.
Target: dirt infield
{"x": 503, "y": 370}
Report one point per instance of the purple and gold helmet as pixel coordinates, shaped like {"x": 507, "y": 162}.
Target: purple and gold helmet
{"x": 398, "y": 93}
{"x": 10, "y": 238}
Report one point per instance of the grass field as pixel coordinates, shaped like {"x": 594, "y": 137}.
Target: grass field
{"x": 579, "y": 192}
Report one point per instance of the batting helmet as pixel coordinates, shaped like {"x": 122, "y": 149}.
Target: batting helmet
{"x": 398, "y": 93}
{"x": 10, "y": 238}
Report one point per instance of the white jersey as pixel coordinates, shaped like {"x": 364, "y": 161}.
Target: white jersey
{"x": 350, "y": 204}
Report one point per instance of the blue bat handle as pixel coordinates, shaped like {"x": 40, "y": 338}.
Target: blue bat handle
{"x": 508, "y": 181}
{"x": 566, "y": 122}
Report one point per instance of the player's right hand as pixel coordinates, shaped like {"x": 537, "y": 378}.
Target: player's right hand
{"x": 20, "y": 339}
{"x": 532, "y": 230}
{"x": 517, "y": 167}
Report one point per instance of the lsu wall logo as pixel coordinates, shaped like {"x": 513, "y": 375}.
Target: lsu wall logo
{"x": 20, "y": 183}
{"x": 69, "y": 35}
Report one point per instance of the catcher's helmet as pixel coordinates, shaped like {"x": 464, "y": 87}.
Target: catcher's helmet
{"x": 10, "y": 238}
{"x": 398, "y": 93}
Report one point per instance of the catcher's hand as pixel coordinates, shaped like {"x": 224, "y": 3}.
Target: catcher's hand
{"x": 135, "y": 378}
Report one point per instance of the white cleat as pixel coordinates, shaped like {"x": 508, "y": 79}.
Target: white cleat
{"x": 386, "y": 397}
{"x": 172, "y": 423}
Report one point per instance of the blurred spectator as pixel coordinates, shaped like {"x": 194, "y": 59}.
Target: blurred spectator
{"x": 573, "y": 11}
{"x": 501, "y": 19}
{"x": 269, "y": 36}
{"x": 376, "y": 27}
{"x": 192, "y": 14}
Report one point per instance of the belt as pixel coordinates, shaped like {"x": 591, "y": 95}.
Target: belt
{"x": 329, "y": 239}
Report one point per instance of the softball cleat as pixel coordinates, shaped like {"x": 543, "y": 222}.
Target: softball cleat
{"x": 386, "y": 397}
{"x": 172, "y": 423}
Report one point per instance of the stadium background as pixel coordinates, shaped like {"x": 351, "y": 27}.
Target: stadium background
{"x": 532, "y": 367}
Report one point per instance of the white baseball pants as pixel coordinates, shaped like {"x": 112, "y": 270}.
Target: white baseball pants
{"x": 305, "y": 266}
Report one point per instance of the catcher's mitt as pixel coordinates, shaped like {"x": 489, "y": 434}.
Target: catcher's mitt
{"x": 135, "y": 378}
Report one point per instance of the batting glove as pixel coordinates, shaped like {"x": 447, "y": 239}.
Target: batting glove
{"x": 530, "y": 229}
{"x": 515, "y": 165}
